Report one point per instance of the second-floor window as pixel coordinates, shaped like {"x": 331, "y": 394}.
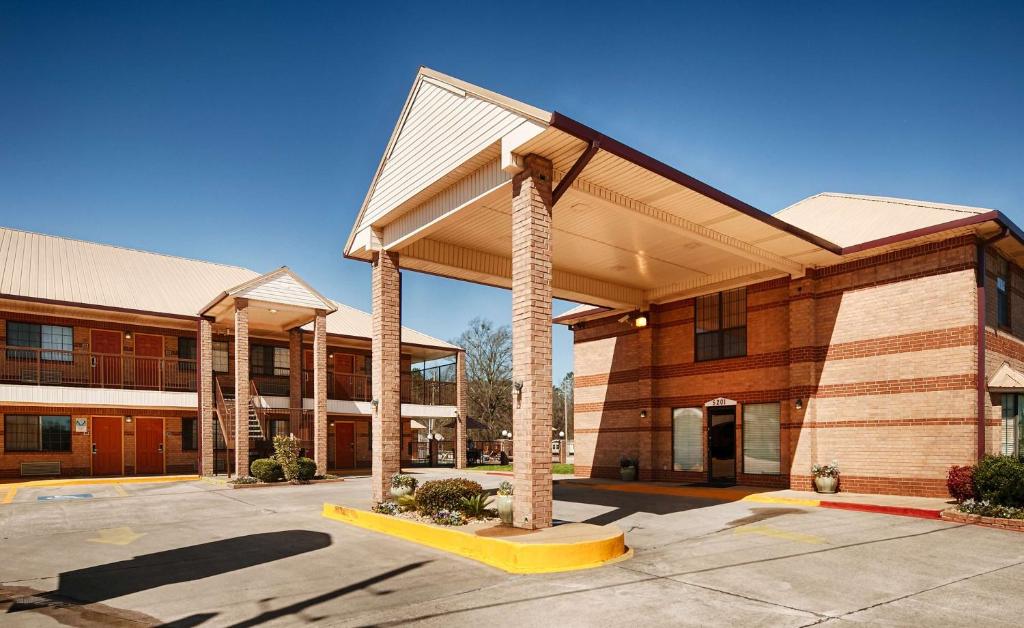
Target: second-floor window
{"x": 56, "y": 337}
{"x": 1003, "y": 301}
{"x": 721, "y": 325}
{"x": 267, "y": 360}
{"x": 186, "y": 351}
{"x": 220, "y": 356}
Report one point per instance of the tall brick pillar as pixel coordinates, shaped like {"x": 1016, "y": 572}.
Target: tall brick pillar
{"x": 531, "y": 343}
{"x": 386, "y": 373}
{"x": 241, "y": 387}
{"x": 320, "y": 391}
{"x": 461, "y": 407}
{"x": 295, "y": 376}
{"x": 206, "y": 401}
{"x": 802, "y": 379}
{"x": 645, "y": 397}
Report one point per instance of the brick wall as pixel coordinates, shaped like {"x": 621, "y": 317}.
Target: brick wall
{"x": 881, "y": 352}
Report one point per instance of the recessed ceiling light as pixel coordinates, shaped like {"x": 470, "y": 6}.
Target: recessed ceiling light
{"x": 273, "y": 311}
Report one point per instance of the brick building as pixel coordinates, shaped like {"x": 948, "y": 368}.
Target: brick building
{"x": 718, "y": 342}
{"x": 116, "y": 361}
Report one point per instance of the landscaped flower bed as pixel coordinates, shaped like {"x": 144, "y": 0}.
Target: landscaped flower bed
{"x": 448, "y": 502}
{"x": 284, "y": 467}
{"x": 990, "y": 493}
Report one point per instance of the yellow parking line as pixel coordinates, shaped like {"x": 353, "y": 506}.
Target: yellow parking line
{"x": 121, "y": 480}
{"x": 11, "y": 492}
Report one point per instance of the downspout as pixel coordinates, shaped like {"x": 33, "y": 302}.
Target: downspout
{"x": 979, "y": 274}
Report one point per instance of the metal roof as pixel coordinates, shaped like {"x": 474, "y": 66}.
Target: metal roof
{"x": 851, "y": 219}
{"x": 44, "y": 267}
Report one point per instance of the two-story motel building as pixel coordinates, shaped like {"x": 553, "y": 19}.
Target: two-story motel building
{"x": 116, "y": 361}
{"x": 721, "y": 343}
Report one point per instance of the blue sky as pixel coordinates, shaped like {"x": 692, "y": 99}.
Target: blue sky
{"x": 164, "y": 125}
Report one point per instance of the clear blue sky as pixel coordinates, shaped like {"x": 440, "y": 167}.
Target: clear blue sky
{"x": 165, "y": 125}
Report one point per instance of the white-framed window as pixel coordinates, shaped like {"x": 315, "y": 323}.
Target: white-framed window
{"x": 1013, "y": 438}
{"x": 761, "y": 444}
{"x": 687, "y": 439}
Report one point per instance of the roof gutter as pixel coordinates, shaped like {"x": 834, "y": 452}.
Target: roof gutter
{"x": 979, "y": 277}
{"x": 976, "y": 219}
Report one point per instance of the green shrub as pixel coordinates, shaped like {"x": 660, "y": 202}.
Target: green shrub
{"x": 1000, "y": 481}
{"x": 286, "y": 454}
{"x": 406, "y": 502}
{"x": 307, "y": 469}
{"x": 402, "y": 480}
{"x": 266, "y": 470}
{"x": 476, "y": 506}
{"x": 447, "y": 494}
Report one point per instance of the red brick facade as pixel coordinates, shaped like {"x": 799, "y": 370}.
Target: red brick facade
{"x": 881, "y": 353}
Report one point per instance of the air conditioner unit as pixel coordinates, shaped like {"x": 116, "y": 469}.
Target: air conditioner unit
{"x": 40, "y": 468}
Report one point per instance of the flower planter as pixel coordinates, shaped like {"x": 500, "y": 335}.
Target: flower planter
{"x": 824, "y": 484}
{"x": 628, "y": 474}
{"x": 400, "y": 491}
{"x": 504, "y": 505}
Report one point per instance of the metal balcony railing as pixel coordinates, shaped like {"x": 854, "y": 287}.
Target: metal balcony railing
{"x": 53, "y": 367}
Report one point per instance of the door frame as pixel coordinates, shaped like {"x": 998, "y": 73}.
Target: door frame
{"x": 353, "y": 424}
{"x": 92, "y": 439}
{"x": 163, "y": 439}
{"x": 723, "y": 410}
{"x": 159, "y": 364}
{"x": 97, "y": 355}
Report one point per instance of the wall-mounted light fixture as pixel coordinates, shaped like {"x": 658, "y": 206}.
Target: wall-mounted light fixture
{"x": 640, "y": 320}
{"x": 273, "y": 311}
{"x": 127, "y": 419}
{"x": 375, "y": 403}
{"x": 799, "y": 403}
{"x": 518, "y": 386}
{"x": 127, "y": 335}
{"x": 643, "y": 414}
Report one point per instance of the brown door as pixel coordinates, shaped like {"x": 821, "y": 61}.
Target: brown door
{"x": 343, "y": 384}
{"x": 106, "y": 359}
{"x": 107, "y": 458}
{"x": 307, "y": 373}
{"x": 148, "y": 351}
{"x": 149, "y": 446}
{"x": 344, "y": 445}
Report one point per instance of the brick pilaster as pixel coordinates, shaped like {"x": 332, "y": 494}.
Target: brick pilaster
{"x": 461, "y": 407}
{"x": 386, "y": 374}
{"x": 803, "y": 378}
{"x": 645, "y": 396}
{"x": 531, "y": 342}
{"x": 320, "y": 391}
{"x": 206, "y": 400}
{"x": 241, "y": 387}
{"x": 295, "y": 376}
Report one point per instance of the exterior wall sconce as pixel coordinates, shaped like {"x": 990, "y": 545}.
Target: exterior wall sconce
{"x": 127, "y": 335}
{"x": 127, "y": 419}
{"x": 375, "y": 403}
{"x": 643, "y": 414}
{"x": 518, "y": 387}
{"x": 799, "y": 403}
{"x": 640, "y": 320}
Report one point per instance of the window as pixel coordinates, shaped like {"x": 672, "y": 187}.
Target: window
{"x": 220, "y": 357}
{"x": 1013, "y": 425}
{"x": 721, "y": 325}
{"x": 186, "y": 351}
{"x": 687, "y": 439}
{"x": 761, "y": 438}
{"x": 56, "y": 337}
{"x": 267, "y": 360}
{"x": 279, "y": 427}
{"x": 1002, "y": 301}
{"x": 189, "y": 434}
{"x": 37, "y": 433}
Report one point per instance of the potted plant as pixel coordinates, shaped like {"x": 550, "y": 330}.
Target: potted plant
{"x": 627, "y": 468}
{"x": 826, "y": 477}
{"x": 504, "y": 502}
{"x": 402, "y": 485}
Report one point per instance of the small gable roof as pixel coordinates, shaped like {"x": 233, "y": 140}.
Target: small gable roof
{"x": 1006, "y": 379}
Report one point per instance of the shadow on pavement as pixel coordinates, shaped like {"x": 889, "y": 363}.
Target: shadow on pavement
{"x": 627, "y": 503}
{"x": 149, "y": 571}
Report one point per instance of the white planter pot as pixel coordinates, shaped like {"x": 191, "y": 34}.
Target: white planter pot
{"x": 628, "y": 474}
{"x": 825, "y": 485}
{"x": 504, "y": 505}
{"x": 400, "y": 491}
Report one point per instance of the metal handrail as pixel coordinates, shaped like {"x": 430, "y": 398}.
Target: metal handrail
{"x": 55, "y": 367}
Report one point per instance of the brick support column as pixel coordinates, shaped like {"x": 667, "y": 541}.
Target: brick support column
{"x": 295, "y": 376}
{"x": 461, "y": 407}
{"x": 241, "y": 387}
{"x": 320, "y": 391}
{"x": 645, "y": 396}
{"x": 802, "y": 380}
{"x": 386, "y": 374}
{"x": 531, "y": 343}
{"x": 206, "y": 401}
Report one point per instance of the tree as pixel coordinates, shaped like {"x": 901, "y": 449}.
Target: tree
{"x": 489, "y": 374}
{"x": 565, "y": 396}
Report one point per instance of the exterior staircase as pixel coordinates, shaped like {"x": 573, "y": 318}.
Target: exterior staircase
{"x": 225, "y": 411}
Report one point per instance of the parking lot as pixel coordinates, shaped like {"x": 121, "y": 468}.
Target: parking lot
{"x": 198, "y": 553}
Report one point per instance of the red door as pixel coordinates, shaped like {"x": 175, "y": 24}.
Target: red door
{"x": 149, "y": 446}
{"x": 148, "y": 351}
{"x": 107, "y": 458}
{"x": 343, "y": 367}
{"x": 106, "y": 368}
{"x": 344, "y": 445}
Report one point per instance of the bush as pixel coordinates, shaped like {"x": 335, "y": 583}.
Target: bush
{"x": 402, "y": 480}
{"x": 437, "y": 495}
{"x": 960, "y": 482}
{"x": 266, "y": 470}
{"x": 476, "y": 506}
{"x": 307, "y": 469}
{"x": 286, "y": 454}
{"x": 449, "y": 518}
{"x": 1000, "y": 480}
{"x": 985, "y": 509}
{"x": 406, "y": 502}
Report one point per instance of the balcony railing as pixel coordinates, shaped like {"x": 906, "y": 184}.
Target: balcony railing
{"x": 52, "y": 367}
{"x": 353, "y": 387}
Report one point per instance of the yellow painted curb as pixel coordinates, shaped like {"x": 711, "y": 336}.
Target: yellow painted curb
{"x": 789, "y": 501}
{"x": 156, "y": 479}
{"x": 510, "y": 556}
